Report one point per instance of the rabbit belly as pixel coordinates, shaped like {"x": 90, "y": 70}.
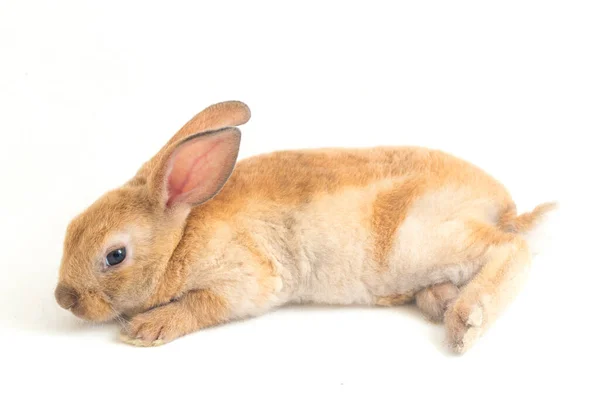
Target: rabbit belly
{"x": 337, "y": 261}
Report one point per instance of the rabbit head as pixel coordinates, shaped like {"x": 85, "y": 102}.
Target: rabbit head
{"x": 116, "y": 252}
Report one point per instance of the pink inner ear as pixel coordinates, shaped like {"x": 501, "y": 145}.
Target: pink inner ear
{"x": 200, "y": 167}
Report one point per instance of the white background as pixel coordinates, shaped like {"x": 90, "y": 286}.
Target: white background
{"x": 89, "y": 90}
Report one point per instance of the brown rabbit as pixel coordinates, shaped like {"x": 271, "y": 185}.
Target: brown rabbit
{"x": 192, "y": 242}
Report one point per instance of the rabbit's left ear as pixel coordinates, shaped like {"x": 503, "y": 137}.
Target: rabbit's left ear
{"x": 213, "y": 118}
{"x": 194, "y": 170}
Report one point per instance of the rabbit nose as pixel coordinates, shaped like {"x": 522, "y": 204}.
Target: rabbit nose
{"x": 66, "y": 296}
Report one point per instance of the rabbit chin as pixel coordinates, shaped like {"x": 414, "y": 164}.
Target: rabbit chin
{"x": 94, "y": 309}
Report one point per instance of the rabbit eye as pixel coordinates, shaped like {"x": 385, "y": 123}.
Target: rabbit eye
{"x": 116, "y": 257}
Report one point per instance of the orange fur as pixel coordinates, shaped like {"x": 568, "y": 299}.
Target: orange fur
{"x": 395, "y": 300}
{"x": 327, "y": 225}
{"x": 389, "y": 210}
{"x": 195, "y": 310}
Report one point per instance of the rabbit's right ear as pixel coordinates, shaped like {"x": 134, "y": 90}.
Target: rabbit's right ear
{"x": 195, "y": 169}
{"x": 212, "y": 118}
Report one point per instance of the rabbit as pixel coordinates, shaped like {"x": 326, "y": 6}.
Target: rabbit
{"x": 195, "y": 240}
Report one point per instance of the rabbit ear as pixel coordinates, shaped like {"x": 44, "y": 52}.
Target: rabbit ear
{"x": 195, "y": 169}
{"x": 213, "y": 118}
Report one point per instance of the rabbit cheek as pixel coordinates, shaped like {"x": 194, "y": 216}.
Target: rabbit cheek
{"x": 128, "y": 294}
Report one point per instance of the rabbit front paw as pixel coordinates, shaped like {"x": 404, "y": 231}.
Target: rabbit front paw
{"x": 155, "y": 327}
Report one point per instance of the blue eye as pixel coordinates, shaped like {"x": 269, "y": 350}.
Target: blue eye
{"x": 116, "y": 257}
